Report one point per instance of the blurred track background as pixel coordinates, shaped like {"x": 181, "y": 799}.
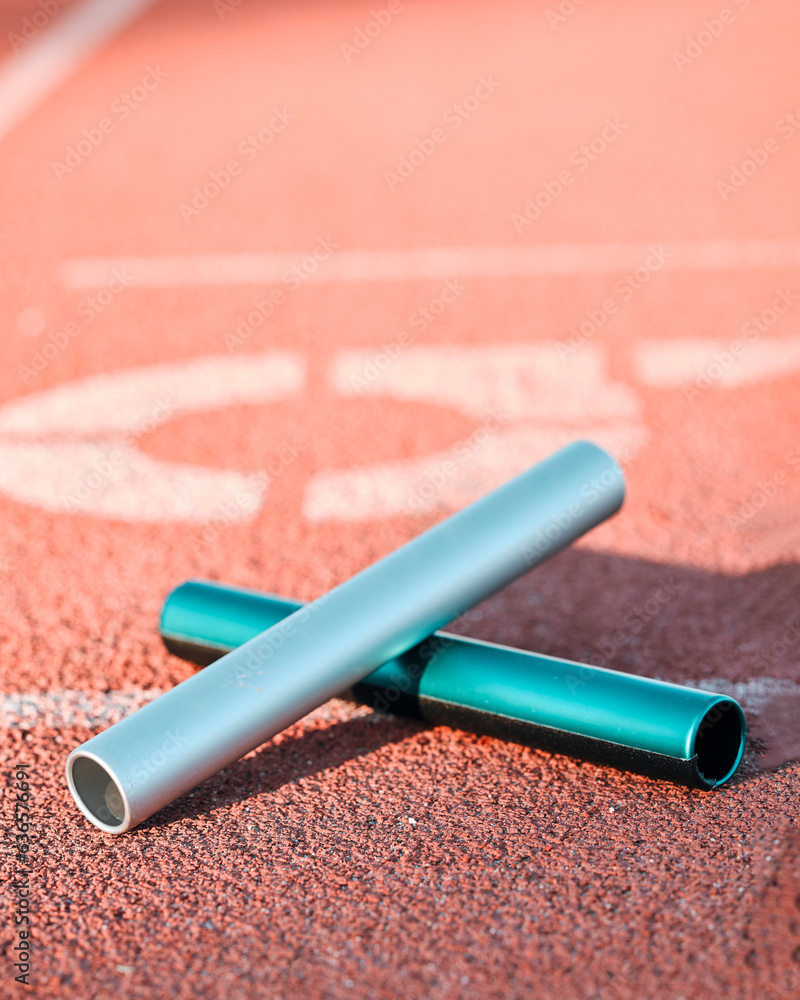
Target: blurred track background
{"x": 266, "y": 269}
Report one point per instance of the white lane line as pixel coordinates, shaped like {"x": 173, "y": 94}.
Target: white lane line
{"x": 525, "y": 381}
{"x": 531, "y": 400}
{"x": 55, "y": 709}
{"x": 61, "y": 708}
{"x": 448, "y": 480}
{"x": 75, "y": 448}
{"x": 432, "y": 262}
{"x": 122, "y": 402}
{"x": 119, "y": 482}
{"x": 751, "y": 695}
{"x": 683, "y": 361}
{"x": 35, "y": 71}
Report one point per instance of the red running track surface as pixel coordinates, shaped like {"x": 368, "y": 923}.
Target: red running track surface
{"x": 531, "y": 223}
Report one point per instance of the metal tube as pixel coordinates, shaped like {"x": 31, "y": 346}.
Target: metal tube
{"x": 663, "y": 730}
{"x": 169, "y": 746}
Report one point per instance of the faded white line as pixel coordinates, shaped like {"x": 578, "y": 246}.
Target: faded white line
{"x": 91, "y": 709}
{"x": 531, "y": 400}
{"x": 62, "y": 708}
{"x": 431, "y": 262}
{"x": 74, "y": 448}
{"x": 751, "y": 695}
{"x": 704, "y": 363}
{"x": 448, "y": 480}
{"x": 526, "y": 381}
{"x": 121, "y": 402}
{"x": 56, "y": 709}
{"x": 30, "y": 75}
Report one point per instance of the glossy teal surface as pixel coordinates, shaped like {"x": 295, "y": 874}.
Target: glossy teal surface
{"x": 219, "y": 616}
{"x": 606, "y": 705}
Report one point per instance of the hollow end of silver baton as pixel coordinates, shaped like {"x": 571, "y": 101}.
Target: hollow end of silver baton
{"x": 98, "y": 793}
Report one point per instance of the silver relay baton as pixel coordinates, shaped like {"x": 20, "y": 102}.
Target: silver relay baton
{"x": 139, "y": 765}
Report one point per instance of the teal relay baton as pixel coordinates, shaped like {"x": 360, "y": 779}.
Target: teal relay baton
{"x": 663, "y": 730}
